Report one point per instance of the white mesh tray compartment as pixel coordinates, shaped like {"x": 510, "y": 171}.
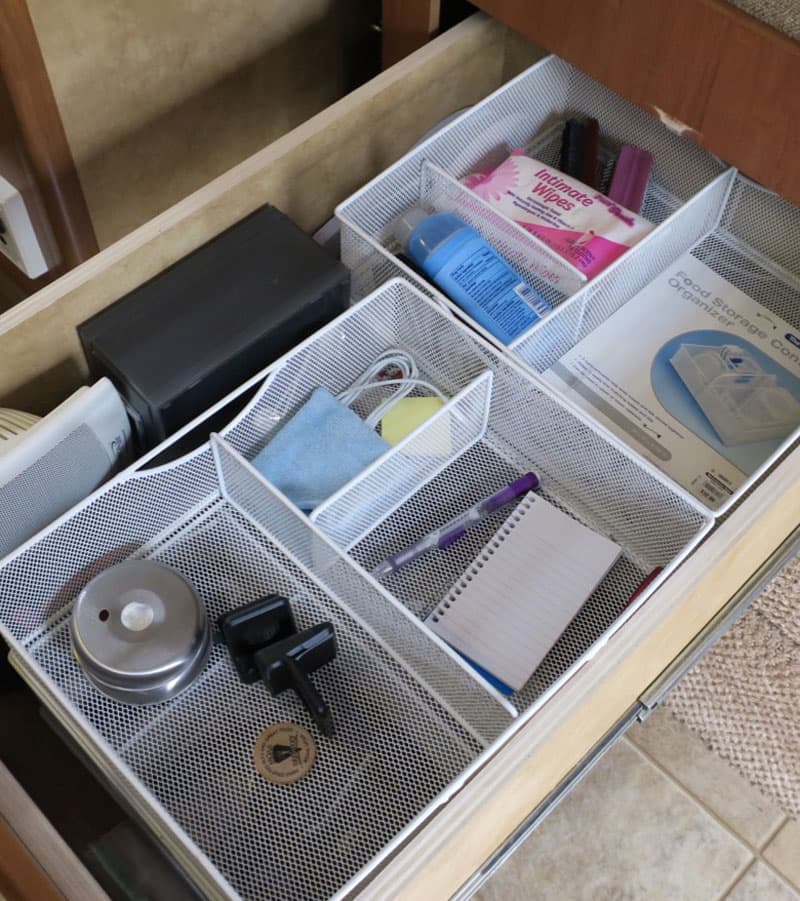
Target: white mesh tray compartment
{"x": 530, "y": 258}
{"x": 395, "y": 317}
{"x": 514, "y": 116}
{"x": 530, "y": 108}
{"x": 746, "y": 234}
{"x": 376, "y": 492}
{"x": 582, "y": 473}
{"x": 397, "y": 745}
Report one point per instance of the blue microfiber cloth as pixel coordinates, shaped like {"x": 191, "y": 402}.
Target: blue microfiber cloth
{"x": 318, "y": 450}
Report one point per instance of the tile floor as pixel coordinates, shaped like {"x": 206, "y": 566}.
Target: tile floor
{"x": 659, "y": 817}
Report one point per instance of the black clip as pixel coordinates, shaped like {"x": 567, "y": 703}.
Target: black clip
{"x": 263, "y": 641}
{"x": 252, "y": 626}
{"x": 289, "y": 663}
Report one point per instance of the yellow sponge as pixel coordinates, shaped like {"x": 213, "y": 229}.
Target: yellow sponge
{"x": 406, "y": 415}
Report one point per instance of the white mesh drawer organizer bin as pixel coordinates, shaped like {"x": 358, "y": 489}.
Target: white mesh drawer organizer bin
{"x": 528, "y": 112}
{"x": 750, "y": 237}
{"x": 412, "y": 719}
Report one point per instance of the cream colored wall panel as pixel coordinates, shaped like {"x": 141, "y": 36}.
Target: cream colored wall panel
{"x": 156, "y": 166}
{"x": 116, "y": 65}
{"x": 158, "y": 97}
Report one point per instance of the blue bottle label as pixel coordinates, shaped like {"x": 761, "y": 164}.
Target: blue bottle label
{"x": 487, "y": 288}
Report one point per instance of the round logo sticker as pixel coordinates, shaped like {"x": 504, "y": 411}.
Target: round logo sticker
{"x": 284, "y": 753}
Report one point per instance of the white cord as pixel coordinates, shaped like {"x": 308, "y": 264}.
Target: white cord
{"x": 394, "y": 357}
{"x": 380, "y": 411}
{"x": 407, "y": 368}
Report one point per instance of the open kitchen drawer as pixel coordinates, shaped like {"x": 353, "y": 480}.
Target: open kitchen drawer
{"x": 495, "y": 788}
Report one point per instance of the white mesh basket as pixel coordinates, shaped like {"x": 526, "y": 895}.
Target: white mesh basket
{"x": 412, "y": 718}
{"x": 396, "y": 746}
{"x": 529, "y": 112}
{"x": 746, "y": 234}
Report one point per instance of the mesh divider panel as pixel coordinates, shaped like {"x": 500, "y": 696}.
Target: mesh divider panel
{"x": 766, "y": 223}
{"x": 778, "y": 291}
{"x": 486, "y": 467}
{"x": 547, "y": 342}
{"x": 530, "y": 258}
{"x": 368, "y": 498}
{"x": 593, "y": 480}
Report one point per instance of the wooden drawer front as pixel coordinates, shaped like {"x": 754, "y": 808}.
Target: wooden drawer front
{"x": 335, "y": 153}
{"x": 35, "y": 862}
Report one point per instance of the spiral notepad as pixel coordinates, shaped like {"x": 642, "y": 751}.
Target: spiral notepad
{"x": 523, "y": 590}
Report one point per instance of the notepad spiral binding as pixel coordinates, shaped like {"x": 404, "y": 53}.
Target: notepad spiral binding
{"x": 483, "y": 557}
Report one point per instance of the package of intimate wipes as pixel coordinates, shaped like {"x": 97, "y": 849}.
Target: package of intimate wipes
{"x": 575, "y": 221}
{"x": 695, "y": 375}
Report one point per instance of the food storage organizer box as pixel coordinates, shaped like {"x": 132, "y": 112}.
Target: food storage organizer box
{"x": 740, "y": 400}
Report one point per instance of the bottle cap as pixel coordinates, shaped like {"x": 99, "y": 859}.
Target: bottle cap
{"x": 140, "y": 632}
{"x": 406, "y": 222}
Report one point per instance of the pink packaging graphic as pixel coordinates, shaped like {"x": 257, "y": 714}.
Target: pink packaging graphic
{"x": 575, "y": 221}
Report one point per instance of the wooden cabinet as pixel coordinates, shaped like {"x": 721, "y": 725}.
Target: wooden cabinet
{"x": 34, "y": 154}
{"x": 711, "y": 71}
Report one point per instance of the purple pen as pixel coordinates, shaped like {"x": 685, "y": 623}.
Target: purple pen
{"x": 456, "y": 528}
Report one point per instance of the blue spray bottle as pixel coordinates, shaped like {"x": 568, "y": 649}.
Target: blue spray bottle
{"x": 470, "y": 272}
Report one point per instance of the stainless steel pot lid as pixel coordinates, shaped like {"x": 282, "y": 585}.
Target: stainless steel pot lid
{"x": 140, "y": 632}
